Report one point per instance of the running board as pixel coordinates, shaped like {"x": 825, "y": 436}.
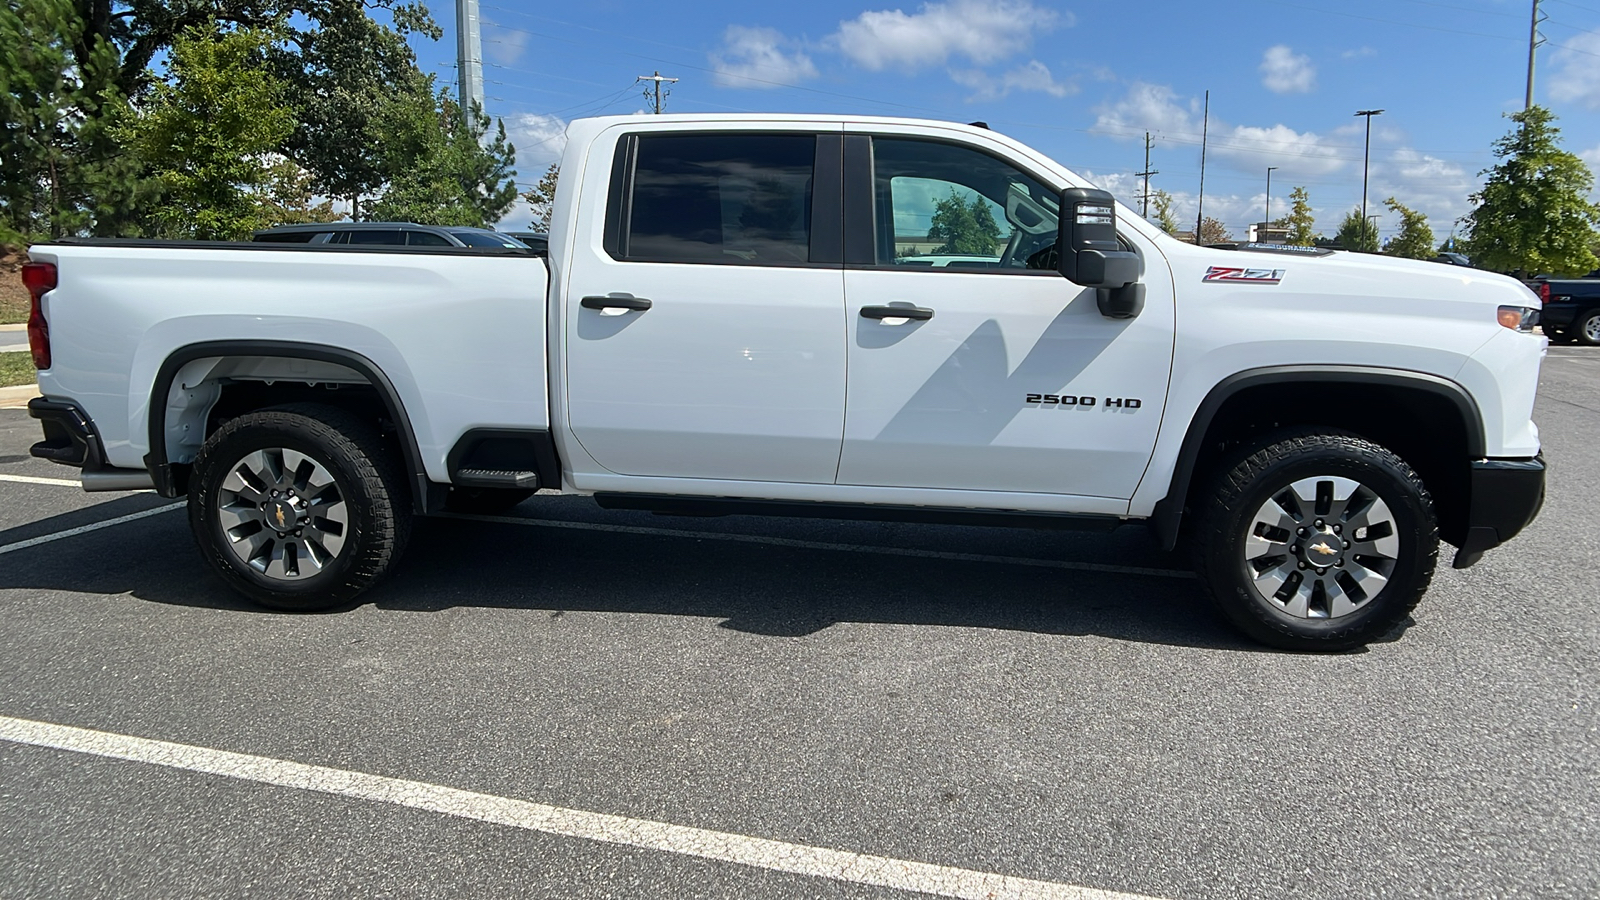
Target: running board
{"x": 496, "y": 478}
{"x": 667, "y": 505}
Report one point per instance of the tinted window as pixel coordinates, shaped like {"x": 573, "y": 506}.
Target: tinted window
{"x": 483, "y": 239}
{"x": 376, "y": 236}
{"x": 965, "y": 209}
{"x": 287, "y": 237}
{"x": 426, "y": 239}
{"x": 741, "y": 199}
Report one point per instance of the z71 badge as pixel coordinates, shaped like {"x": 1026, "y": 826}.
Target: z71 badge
{"x": 1241, "y": 275}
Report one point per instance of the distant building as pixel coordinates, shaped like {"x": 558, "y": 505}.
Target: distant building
{"x": 915, "y": 245}
{"x": 1268, "y": 233}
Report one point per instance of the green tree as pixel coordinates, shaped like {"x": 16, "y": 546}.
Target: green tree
{"x": 542, "y": 197}
{"x": 1162, "y": 201}
{"x": 207, "y": 135}
{"x": 1358, "y": 233}
{"x": 1212, "y": 231}
{"x": 346, "y": 74}
{"x": 440, "y": 169}
{"x": 1533, "y": 214}
{"x": 1415, "y": 238}
{"x": 1300, "y": 224}
{"x": 967, "y": 228}
{"x": 60, "y": 170}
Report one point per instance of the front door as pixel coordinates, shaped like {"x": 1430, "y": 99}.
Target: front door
{"x": 711, "y": 342}
{"x": 1014, "y": 382}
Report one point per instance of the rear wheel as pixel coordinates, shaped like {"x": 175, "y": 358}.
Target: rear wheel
{"x": 1317, "y": 542}
{"x": 1587, "y": 328}
{"x": 299, "y": 507}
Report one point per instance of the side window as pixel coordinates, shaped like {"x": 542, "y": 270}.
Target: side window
{"x": 950, "y": 208}
{"x": 377, "y": 237}
{"x": 732, "y": 199}
{"x": 426, "y": 239}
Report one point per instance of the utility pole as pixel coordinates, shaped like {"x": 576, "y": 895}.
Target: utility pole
{"x": 1534, "y": 40}
{"x": 1367, "y": 157}
{"x": 1146, "y": 175}
{"x": 1268, "y": 219}
{"x": 469, "y": 58}
{"x": 1205, "y": 130}
{"x": 657, "y": 78}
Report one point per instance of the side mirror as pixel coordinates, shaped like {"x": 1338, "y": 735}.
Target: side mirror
{"x": 1092, "y": 256}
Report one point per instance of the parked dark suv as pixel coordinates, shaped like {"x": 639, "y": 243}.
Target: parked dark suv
{"x": 392, "y": 233}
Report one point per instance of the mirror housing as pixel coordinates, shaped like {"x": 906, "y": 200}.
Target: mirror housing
{"x": 1092, "y": 256}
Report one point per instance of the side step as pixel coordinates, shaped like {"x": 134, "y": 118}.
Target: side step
{"x": 496, "y": 478}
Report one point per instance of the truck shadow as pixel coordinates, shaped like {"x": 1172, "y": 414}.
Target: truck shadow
{"x": 783, "y": 592}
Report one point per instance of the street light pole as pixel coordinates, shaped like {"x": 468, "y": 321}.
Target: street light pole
{"x": 1268, "y": 218}
{"x": 1366, "y": 158}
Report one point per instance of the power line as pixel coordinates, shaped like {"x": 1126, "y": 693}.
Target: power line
{"x": 658, "y": 78}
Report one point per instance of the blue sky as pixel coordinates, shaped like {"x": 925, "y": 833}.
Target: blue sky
{"x": 1083, "y": 82}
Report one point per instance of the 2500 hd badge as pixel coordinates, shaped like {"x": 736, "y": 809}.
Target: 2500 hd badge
{"x": 1084, "y": 401}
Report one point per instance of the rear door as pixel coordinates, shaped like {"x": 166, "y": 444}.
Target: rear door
{"x": 705, "y": 335}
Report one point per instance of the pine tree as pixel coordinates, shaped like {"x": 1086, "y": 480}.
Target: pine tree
{"x": 542, "y": 197}
{"x": 1533, "y": 215}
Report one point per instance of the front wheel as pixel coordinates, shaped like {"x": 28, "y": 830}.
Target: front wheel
{"x": 1317, "y": 542}
{"x": 299, "y": 507}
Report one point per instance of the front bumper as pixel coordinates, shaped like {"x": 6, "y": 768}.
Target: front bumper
{"x": 1506, "y": 495}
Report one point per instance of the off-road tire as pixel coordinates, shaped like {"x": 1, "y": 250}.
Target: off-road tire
{"x": 1253, "y": 477}
{"x": 371, "y": 481}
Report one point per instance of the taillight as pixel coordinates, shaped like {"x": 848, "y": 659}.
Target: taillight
{"x": 39, "y": 278}
{"x": 1544, "y": 292}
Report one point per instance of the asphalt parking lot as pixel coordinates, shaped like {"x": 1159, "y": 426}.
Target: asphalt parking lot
{"x": 579, "y": 703}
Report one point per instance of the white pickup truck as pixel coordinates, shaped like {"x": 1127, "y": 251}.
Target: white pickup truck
{"x": 738, "y": 315}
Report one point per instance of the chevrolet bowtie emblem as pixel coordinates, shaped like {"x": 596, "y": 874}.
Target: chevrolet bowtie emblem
{"x": 1323, "y": 548}
{"x": 282, "y": 523}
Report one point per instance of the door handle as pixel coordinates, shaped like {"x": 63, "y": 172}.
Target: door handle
{"x": 920, "y": 313}
{"x": 606, "y": 305}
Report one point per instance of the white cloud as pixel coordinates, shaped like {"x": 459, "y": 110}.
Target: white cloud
{"x": 1425, "y": 183}
{"x": 1577, "y": 73}
{"x": 757, "y": 58}
{"x": 539, "y": 141}
{"x": 1033, "y": 76}
{"x": 1285, "y": 72}
{"x": 503, "y": 45}
{"x": 1158, "y": 109}
{"x": 1358, "y": 53}
{"x": 980, "y": 31}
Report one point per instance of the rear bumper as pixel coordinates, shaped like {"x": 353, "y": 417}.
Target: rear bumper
{"x": 69, "y": 436}
{"x": 1506, "y": 495}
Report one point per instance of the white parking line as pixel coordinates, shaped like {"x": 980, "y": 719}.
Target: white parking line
{"x": 825, "y": 545}
{"x": 34, "y": 479}
{"x": 722, "y": 846}
{"x": 85, "y": 529}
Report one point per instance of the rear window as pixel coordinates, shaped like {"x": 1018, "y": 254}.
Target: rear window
{"x": 734, "y": 199}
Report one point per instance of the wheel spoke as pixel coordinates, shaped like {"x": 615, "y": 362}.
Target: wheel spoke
{"x": 1271, "y": 532}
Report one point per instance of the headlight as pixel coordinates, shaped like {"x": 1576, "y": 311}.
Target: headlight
{"x": 1519, "y": 318}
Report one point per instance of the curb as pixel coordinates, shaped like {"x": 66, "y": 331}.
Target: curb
{"x": 18, "y": 397}
{"x": 18, "y": 327}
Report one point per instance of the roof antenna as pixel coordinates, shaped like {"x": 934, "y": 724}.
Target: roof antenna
{"x": 983, "y": 125}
